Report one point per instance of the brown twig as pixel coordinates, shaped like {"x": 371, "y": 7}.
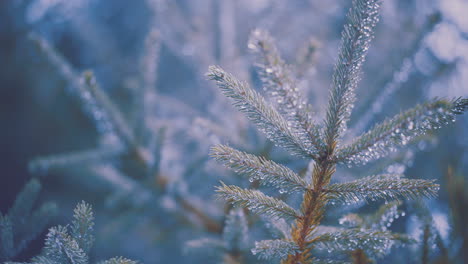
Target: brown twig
{"x": 312, "y": 209}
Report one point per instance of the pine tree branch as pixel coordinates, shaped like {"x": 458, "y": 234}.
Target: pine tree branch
{"x": 385, "y": 186}
{"x": 94, "y": 101}
{"x": 235, "y": 232}
{"x": 286, "y": 132}
{"x": 119, "y": 123}
{"x": 259, "y": 168}
{"x": 274, "y": 249}
{"x": 256, "y": 201}
{"x": 76, "y": 86}
{"x": 62, "y": 248}
{"x": 43, "y": 164}
{"x": 99, "y": 107}
{"x": 279, "y": 83}
{"x": 262, "y": 114}
{"x": 355, "y": 41}
{"x": 61, "y": 64}
{"x": 398, "y": 130}
{"x": 375, "y": 102}
{"x": 82, "y": 226}
{"x": 378, "y": 243}
{"x": 117, "y": 120}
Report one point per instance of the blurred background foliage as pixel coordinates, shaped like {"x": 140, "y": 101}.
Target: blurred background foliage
{"x": 420, "y": 51}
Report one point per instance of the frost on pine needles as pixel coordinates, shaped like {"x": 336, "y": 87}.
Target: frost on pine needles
{"x": 256, "y": 201}
{"x": 272, "y": 249}
{"x": 71, "y": 244}
{"x": 399, "y": 130}
{"x": 287, "y": 121}
{"x": 258, "y": 168}
{"x": 262, "y": 113}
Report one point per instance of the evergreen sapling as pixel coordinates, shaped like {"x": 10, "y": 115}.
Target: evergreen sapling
{"x": 287, "y": 121}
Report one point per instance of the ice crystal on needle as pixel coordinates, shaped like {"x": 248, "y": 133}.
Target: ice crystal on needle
{"x": 355, "y": 42}
{"x": 379, "y": 242}
{"x": 387, "y": 187}
{"x": 399, "y": 130}
{"x": 380, "y": 220}
{"x": 281, "y": 87}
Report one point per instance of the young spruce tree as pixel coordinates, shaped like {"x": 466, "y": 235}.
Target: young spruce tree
{"x": 287, "y": 122}
{"x": 71, "y": 244}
